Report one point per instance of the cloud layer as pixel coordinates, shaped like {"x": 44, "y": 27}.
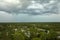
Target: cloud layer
{"x": 5, "y": 17}
{"x": 35, "y": 7}
{"x": 29, "y": 10}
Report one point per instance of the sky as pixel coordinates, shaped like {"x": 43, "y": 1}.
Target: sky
{"x": 29, "y": 10}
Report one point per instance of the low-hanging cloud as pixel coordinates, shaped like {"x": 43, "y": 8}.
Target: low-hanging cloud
{"x": 36, "y": 7}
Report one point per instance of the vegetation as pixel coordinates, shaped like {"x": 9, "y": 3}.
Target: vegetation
{"x": 29, "y": 31}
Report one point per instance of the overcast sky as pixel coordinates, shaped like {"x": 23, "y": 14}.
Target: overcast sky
{"x": 29, "y": 10}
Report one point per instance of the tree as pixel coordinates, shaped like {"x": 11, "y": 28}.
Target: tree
{"x": 18, "y": 36}
{"x": 52, "y": 35}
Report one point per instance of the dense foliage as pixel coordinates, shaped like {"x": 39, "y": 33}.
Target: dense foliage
{"x": 29, "y": 31}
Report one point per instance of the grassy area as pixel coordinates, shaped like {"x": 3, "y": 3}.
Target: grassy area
{"x": 30, "y": 31}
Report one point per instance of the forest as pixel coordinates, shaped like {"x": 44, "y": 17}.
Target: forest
{"x": 30, "y": 31}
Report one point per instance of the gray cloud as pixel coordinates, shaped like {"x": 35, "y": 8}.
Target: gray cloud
{"x": 21, "y": 6}
{"x": 6, "y": 17}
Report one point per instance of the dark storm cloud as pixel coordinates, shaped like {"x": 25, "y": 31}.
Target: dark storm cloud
{"x": 49, "y": 6}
